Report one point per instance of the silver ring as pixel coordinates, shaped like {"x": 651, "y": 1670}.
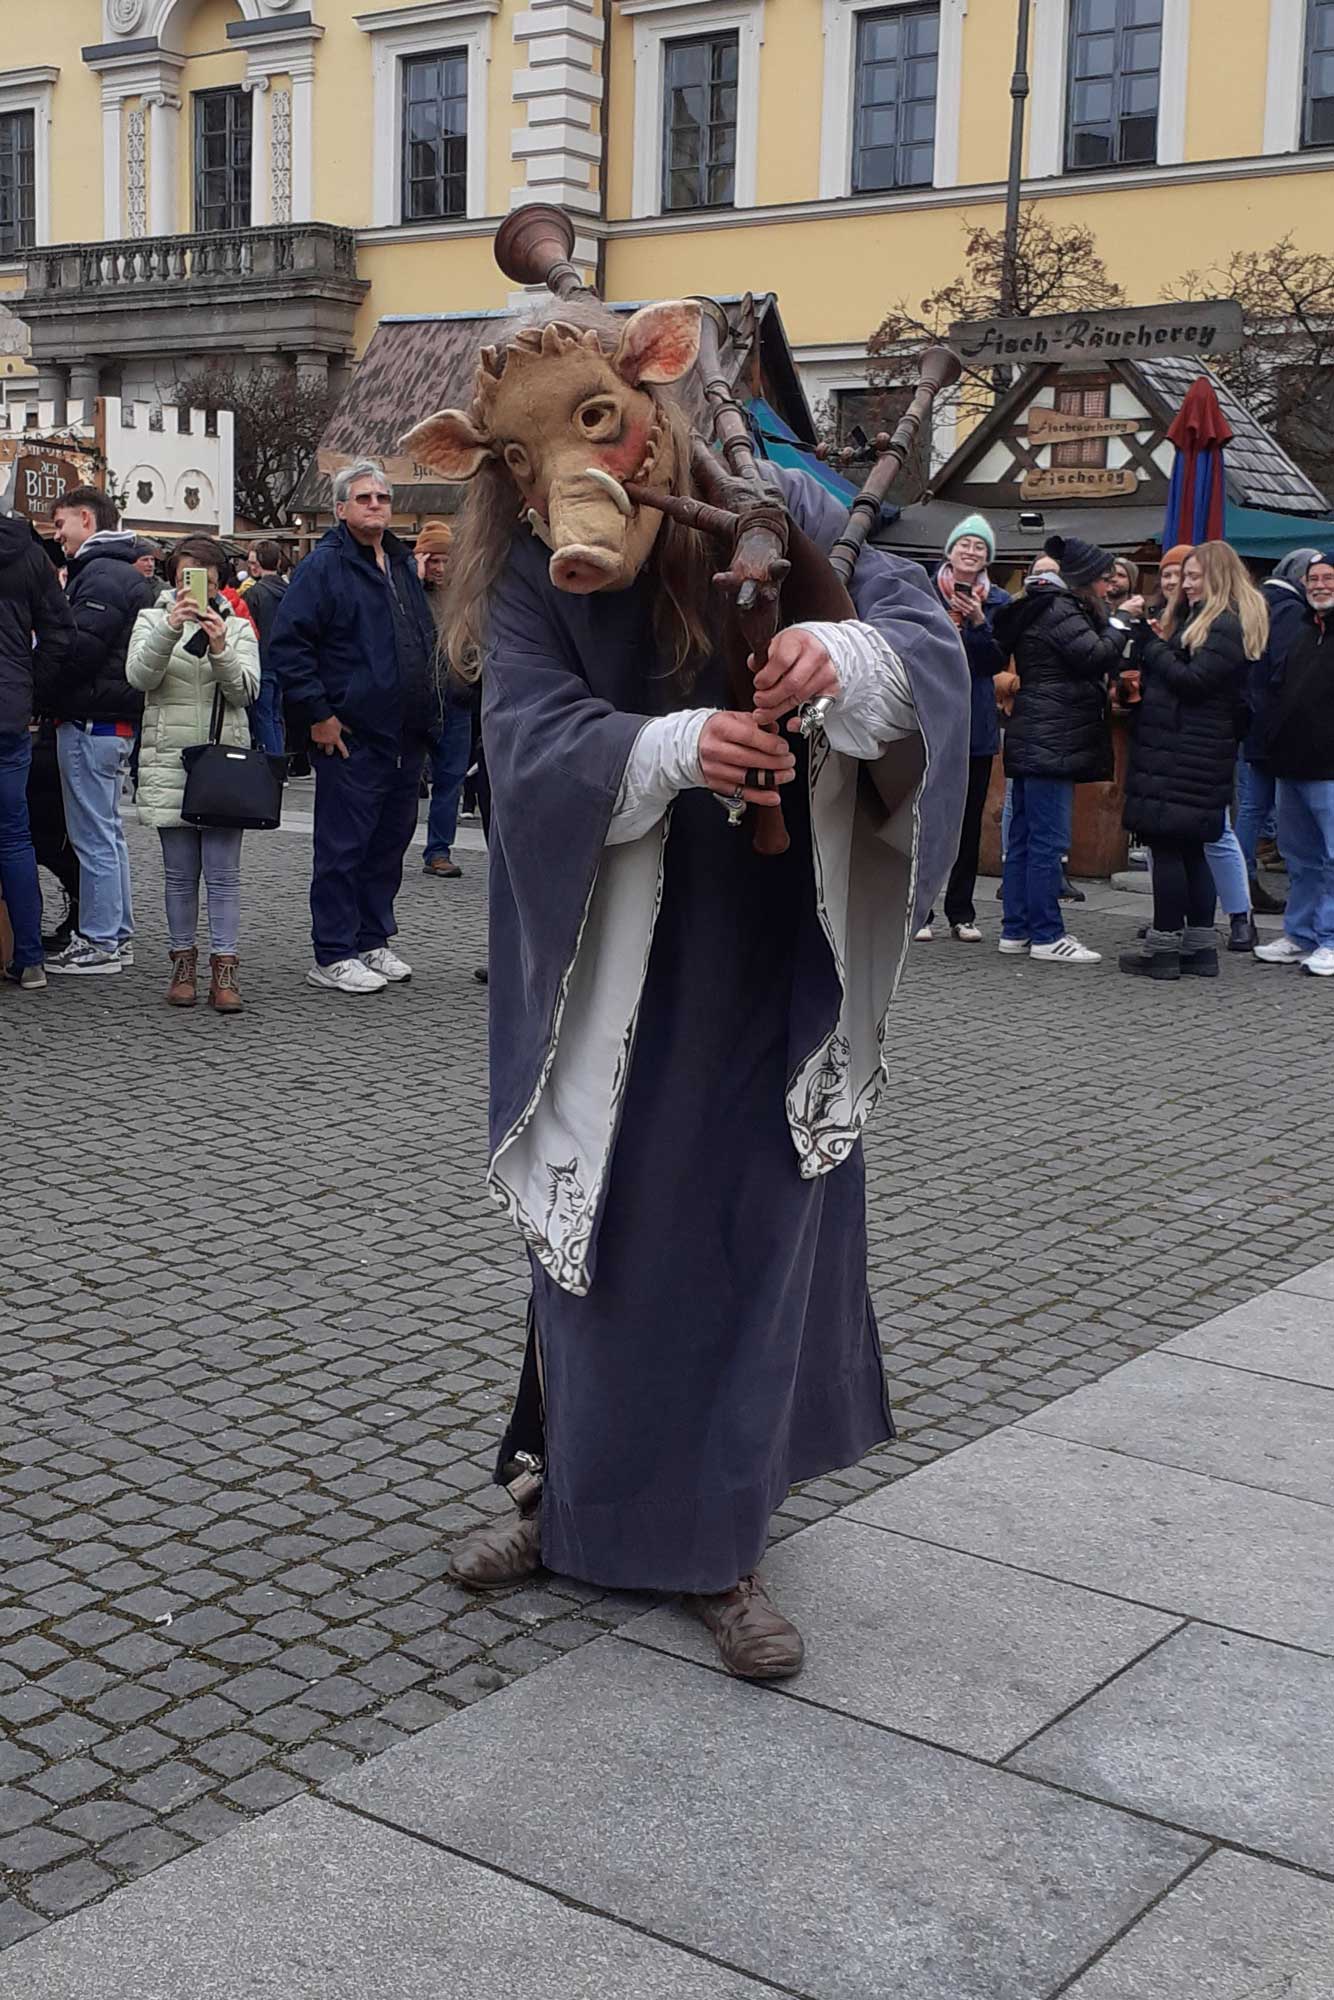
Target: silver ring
{"x": 811, "y": 714}
{"x": 733, "y": 804}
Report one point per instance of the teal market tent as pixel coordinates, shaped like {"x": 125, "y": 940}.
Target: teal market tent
{"x": 1267, "y": 536}
{"x": 784, "y": 447}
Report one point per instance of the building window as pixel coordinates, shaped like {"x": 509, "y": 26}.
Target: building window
{"x": 699, "y": 122}
{"x": 1083, "y": 399}
{"x": 894, "y": 123}
{"x": 435, "y": 136}
{"x": 222, "y": 159}
{"x": 1318, "y": 109}
{"x": 1115, "y": 56}
{"x": 18, "y": 182}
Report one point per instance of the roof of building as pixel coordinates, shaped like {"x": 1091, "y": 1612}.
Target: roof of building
{"x": 1259, "y": 471}
{"x": 417, "y": 364}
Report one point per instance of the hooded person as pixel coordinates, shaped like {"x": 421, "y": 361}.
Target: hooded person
{"x": 1300, "y": 754}
{"x": 1284, "y": 591}
{"x": 1064, "y": 647}
{"x": 687, "y": 1036}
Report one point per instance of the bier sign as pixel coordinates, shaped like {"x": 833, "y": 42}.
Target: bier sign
{"x": 1078, "y": 482}
{"x": 40, "y": 478}
{"x": 1122, "y": 333}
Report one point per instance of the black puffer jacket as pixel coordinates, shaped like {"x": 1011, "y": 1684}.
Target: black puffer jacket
{"x": 31, "y": 607}
{"x": 1059, "y": 728}
{"x": 106, "y": 594}
{"x": 1188, "y": 725}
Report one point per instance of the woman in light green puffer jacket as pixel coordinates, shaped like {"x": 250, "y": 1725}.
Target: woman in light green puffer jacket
{"x": 179, "y": 686}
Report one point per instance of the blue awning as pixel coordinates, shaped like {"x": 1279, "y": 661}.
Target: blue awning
{"x": 1255, "y": 531}
{"x": 784, "y": 447}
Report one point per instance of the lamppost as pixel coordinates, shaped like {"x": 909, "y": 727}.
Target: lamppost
{"x": 1019, "y": 96}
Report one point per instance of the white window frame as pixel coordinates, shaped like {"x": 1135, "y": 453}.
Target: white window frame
{"x": 840, "y": 92}
{"x": 420, "y": 31}
{"x": 1049, "y": 56}
{"x": 657, "y": 22}
{"x": 30, "y": 90}
{"x": 1285, "y": 76}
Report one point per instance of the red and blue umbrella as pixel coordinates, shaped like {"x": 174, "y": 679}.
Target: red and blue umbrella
{"x": 1197, "y": 498}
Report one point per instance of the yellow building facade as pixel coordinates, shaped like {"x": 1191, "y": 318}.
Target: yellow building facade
{"x": 263, "y": 176}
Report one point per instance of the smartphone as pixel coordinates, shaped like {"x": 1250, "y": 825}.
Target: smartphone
{"x": 195, "y": 583}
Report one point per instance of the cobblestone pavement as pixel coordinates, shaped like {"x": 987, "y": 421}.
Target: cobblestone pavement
{"x": 261, "y": 1325}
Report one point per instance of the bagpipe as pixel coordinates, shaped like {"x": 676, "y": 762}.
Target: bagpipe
{"x": 772, "y": 574}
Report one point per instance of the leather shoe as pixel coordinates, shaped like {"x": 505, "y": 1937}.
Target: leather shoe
{"x": 503, "y": 1552}
{"x": 754, "y": 1639}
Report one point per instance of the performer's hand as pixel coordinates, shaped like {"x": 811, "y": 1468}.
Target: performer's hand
{"x": 731, "y": 744}
{"x": 798, "y": 669}
{"x": 328, "y": 736}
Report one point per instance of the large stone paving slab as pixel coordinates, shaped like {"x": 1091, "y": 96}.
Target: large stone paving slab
{"x": 1318, "y": 1281}
{"x": 813, "y": 1850}
{"x": 1284, "y": 1333}
{"x": 960, "y": 1651}
{"x": 1221, "y": 1421}
{"x": 1236, "y": 1929}
{"x": 1261, "y": 1562}
{"x": 315, "y": 1903}
{"x": 1215, "y": 1731}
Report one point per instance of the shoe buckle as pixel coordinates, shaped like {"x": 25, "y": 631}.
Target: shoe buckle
{"x": 525, "y": 1477}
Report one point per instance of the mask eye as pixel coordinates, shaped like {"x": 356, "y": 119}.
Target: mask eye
{"x": 599, "y": 419}
{"x": 518, "y": 461}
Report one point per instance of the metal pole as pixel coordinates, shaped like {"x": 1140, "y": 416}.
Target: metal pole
{"x": 1019, "y": 96}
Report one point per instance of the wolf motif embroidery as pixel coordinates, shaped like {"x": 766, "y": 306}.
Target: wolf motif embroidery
{"x": 565, "y": 1201}
{"x": 824, "y": 1127}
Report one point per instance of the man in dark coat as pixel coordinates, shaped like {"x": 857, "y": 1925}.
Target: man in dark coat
{"x": 99, "y": 715}
{"x": 1064, "y": 647}
{"x": 36, "y": 639}
{"x": 1257, "y": 798}
{"x": 1300, "y": 750}
{"x": 352, "y": 647}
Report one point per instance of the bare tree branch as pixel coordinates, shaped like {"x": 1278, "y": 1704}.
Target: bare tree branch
{"x": 278, "y": 424}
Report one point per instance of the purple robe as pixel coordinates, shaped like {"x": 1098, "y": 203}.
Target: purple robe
{"x": 686, "y": 1040}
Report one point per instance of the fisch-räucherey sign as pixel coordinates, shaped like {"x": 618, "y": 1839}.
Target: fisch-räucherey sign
{"x": 1127, "y": 333}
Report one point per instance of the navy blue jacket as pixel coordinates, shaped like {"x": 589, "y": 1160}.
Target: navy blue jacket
{"x": 1289, "y": 615}
{"x": 32, "y": 609}
{"x": 334, "y": 649}
{"x": 106, "y": 593}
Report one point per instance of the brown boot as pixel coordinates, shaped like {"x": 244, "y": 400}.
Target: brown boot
{"x": 183, "y": 992}
{"x": 755, "y": 1640}
{"x": 505, "y": 1552}
{"x": 223, "y": 992}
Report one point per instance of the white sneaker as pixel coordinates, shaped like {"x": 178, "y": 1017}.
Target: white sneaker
{"x": 1066, "y": 950}
{"x": 125, "y": 952}
{"x": 966, "y": 933}
{"x": 387, "y": 963}
{"x": 1321, "y": 962}
{"x": 81, "y": 957}
{"x": 1013, "y": 947}
{"x": 347, "y": 975}
{"x": 924, "y": 935}
{"x": 1283, "y": 951}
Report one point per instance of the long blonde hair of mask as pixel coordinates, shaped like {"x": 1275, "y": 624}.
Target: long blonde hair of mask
{"x": 1227, "y": 587}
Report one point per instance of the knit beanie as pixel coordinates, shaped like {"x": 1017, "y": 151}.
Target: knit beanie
{"x": 434, "y": 539}
{"x": 1177, "y": 554}
{"x": 1081, "y": 562}
{"x": 973, "y": 524}
{"x": 1327, "y": 556}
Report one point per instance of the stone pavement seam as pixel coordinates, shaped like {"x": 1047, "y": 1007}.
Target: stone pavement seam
{"x": 1196, "y": 1862}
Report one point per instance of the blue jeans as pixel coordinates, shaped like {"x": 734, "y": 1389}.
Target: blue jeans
{"x": 1227, "y": 864}
{"x": 1254, "y": 817}
{"x": 451, "y": 753}
{"x": 91, "y": 769}
{"x": 266, "y": 715}
{"x": 1306, "y": 836}
{"x": 216, "y": 852}
{"x": 1040, "y": 822}
{"x": 365, "y": 815}
{"x": 18, "y": 862}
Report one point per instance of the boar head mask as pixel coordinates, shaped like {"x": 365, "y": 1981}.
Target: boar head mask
{"x": 570, "y": 418}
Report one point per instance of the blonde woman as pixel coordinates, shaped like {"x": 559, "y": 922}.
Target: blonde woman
{"x": 1188, "y": 723}
{"x": 181, "y": 658}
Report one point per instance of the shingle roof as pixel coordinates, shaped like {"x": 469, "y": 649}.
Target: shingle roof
{"x": 1259, "y": 471}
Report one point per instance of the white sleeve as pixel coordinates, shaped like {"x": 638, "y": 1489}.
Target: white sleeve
{"x": 663, "y": 761}
{"x": 874, "y": 706}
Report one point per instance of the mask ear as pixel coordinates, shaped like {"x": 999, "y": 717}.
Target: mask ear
{"x": 448, "y": 444}
{"x": 659, "y": 343}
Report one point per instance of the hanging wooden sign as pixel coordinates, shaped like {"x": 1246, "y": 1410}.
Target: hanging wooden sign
{"x": 1078, "y": 482}
{"x": 1123, "y": 333}
{"x": 1068, "y": 427}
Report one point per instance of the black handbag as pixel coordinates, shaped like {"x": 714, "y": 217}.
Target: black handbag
{"x": 228, "y": 785}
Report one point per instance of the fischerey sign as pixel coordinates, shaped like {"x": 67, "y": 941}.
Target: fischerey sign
{"x": 1078, "y": 482}
{"x": 1122, "y": 333}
